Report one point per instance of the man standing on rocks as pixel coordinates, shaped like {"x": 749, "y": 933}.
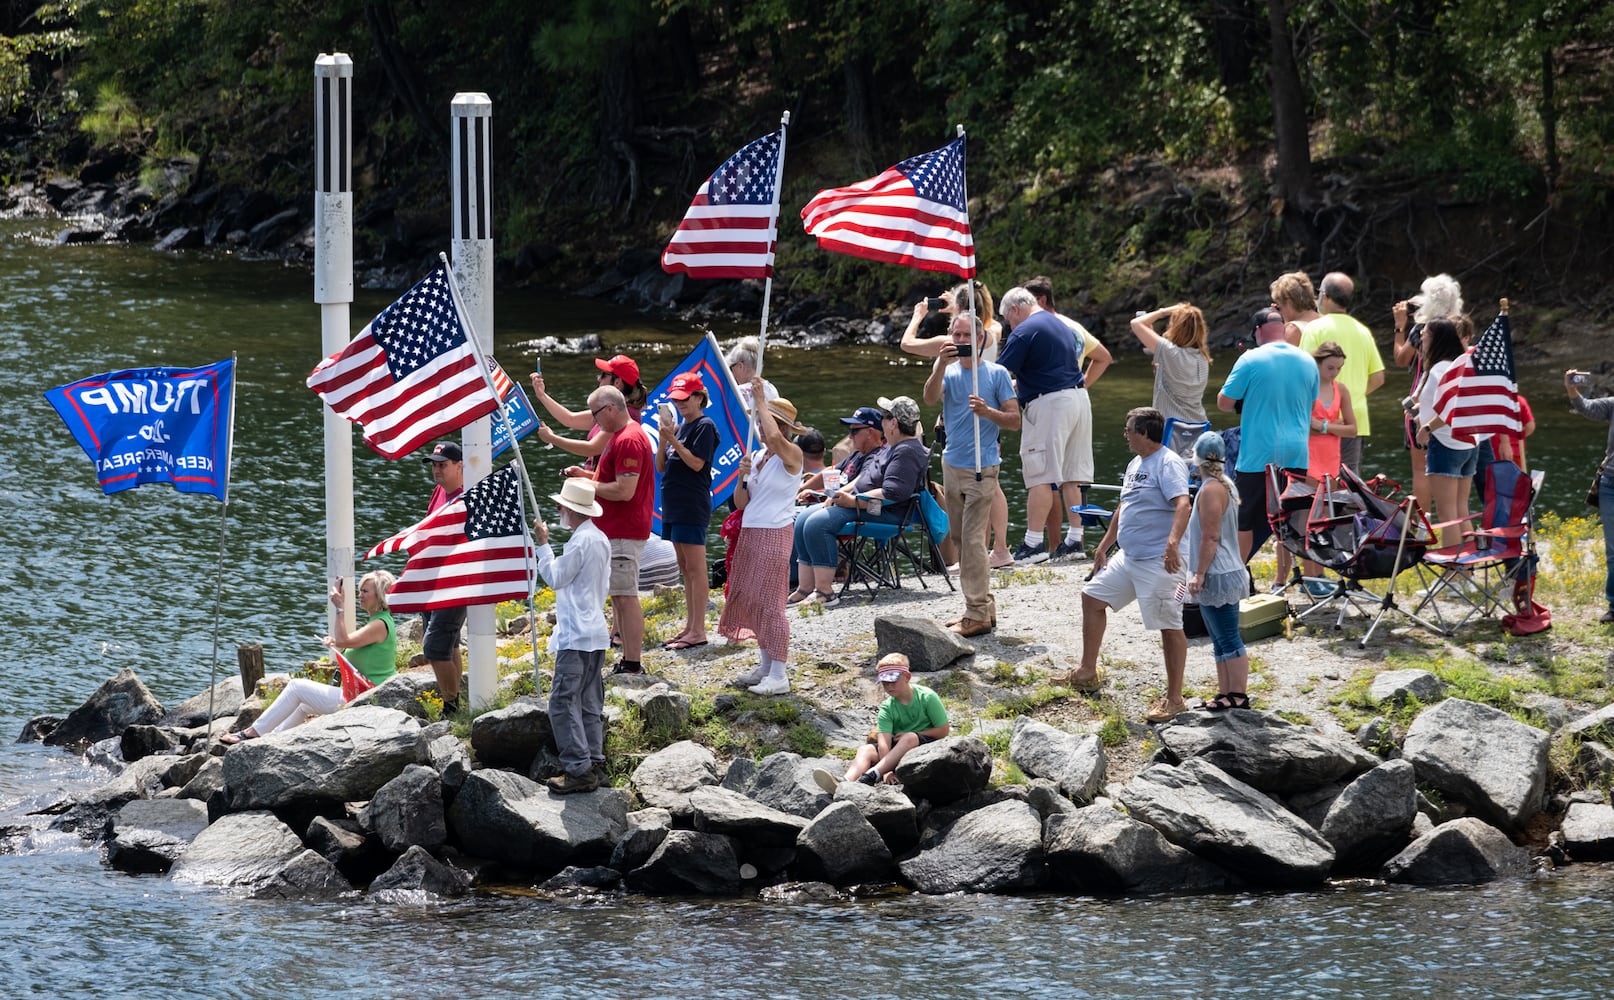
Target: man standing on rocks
{"x": 440, "y": 629}
{"x": 970, "y": 494}
{"x": 911, "y": 716}
{"x": 579, "y": 577}
{"x": 1364, "y": 367}
{"x": 1148, "y": 524}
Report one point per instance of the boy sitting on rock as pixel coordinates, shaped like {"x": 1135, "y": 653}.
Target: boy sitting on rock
{"x": 911, "y": 716}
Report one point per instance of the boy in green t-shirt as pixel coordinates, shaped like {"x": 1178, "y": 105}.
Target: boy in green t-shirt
{"x": 911, "y": 716}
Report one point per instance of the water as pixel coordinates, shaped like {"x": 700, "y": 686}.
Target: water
{"x": 95, "y": 583}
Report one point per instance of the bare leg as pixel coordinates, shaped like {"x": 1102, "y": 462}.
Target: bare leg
{"x": 1000, "y": 527}
{"x": 1055, "y": 518}
{"x": 631, "y": 615}
{"x": 1175, "y": 643}
{"x": 867, "y": 754}
{"x": 1095, "y": 618}
{"x": 692, "y": 565}
{"x": 1039, "y": 500}
{"x": 888, "y": 763}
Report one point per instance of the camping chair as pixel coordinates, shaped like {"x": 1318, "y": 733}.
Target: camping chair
{"x": 1493, "y": 565}
{"x": 874, "y": 551}
{"x": 1180, "y": 435}
{"x": 1356, "y": 532}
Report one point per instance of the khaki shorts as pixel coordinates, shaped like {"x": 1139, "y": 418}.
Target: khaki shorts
{"x": 1145, "y": 581}
{"x": 1056, "y": 439}
{"x": 625, "y": 553}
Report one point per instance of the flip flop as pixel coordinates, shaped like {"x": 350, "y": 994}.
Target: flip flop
{"x": 616, "y": 639}
{"x": 676, "y": 644}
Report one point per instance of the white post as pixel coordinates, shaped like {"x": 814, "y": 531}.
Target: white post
{"x": 333, "y": 290}
{"x": 472, "y": 247}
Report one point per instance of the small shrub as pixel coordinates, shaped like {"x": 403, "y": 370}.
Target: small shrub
{"x": 804, "y": 739}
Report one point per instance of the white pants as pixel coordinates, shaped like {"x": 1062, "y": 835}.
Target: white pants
{"x": 301, "y": 699}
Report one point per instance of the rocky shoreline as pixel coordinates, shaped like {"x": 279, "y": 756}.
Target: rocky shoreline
{"x": 375, "y": 798}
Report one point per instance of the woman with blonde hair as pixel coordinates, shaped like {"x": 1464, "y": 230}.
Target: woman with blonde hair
{"x": 1181, "y": 360}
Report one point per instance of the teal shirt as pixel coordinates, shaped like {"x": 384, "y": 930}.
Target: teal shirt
{"x": 378, "y": 660}
{"x": 925, "y": 711}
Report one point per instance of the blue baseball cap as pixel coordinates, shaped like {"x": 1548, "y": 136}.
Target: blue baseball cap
{"x": 864, "y": 416}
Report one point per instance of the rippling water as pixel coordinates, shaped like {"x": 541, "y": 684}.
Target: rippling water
{"x": 94, "y": 583}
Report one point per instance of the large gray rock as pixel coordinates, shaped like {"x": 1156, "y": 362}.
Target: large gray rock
{"x": 149, "y": 835}
{"x": 946, "y": 770}
{"x": 513, "y": 820}
{"x": 1260, "y": 749}
{"x": 666, "y": 777}
{"x": 1395, "y": 686}
{"x": 842, "y": 847}
{"x": 784, "y": 781}
{"x": 143, "y": 741}
{"x": 446, "y": 755}
{"x": 1594, "y": 764}
{"x": 418, "y": 875}
{"x": 927, "y": 645}
{"x": 1602, "y": 719}
{"x": 357, "y": 855}
{"x": 207, "y": 785}
{"x": 887, "y": 809}
{"x": 1077, "y": 764}
{"x": 1588, "y": 831}
{"x": 1204, "y": 809}
{"x": 342, "y": 757}
{"x": 1464, "y": 851}
{"x": 408, "y": 811}
{"x": 306, "y": 874}
{"x": 718, "y": 810}
{"x": 226, "y": 699}
{"x": 996, "y": 849}
{"x": 120, "y": 702}
{"x": 1097, "y": 850}
{"x": 511, "y": 737}
{"x": 240, "y": 851}
{"x": 689, "y": 863}
{"x": 1481, "y": 757}
{"x": 1371, "y": 820}
{"x": 401, "y": 692}
{"x": 144, "y": 779}
{"x": 662, "y": 709}
{"x": 647, "y": 828}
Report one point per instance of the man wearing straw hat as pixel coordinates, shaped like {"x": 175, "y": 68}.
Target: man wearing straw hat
{"x": 580, "y": 577}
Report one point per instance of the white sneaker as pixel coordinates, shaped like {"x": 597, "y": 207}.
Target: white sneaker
{"x": 771, "y": 685}
{"x": 755, "y": 676}
{"x": 827, "y": 781}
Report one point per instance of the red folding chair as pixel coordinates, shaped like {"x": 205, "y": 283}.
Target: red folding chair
{"x": 1493, "y": 565}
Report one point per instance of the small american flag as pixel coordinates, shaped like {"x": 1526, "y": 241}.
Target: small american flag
{"x": 411, "y": 375}
{"x": 474, "y": 550}
{"x": 353, "y": 682}
{"x": 733, "y": 223}
{"x": 913, "y": 214}
{"x": 1478, "y": 396}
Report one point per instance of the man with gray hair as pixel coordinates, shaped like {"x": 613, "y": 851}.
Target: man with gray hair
{"x": 1364, "y": 368}
{"x": 1056, "y": 437}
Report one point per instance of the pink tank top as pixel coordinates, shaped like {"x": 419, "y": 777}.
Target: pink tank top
{"x": 1323, "y": 449}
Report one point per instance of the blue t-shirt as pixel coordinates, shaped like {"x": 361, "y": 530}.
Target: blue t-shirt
{"x": 686, "y": 495}
{"x": 1043, "y": 355}
{"x": 996, "y": 389}
{"x": 1278, "y": 383}
{"x": 1148, "y": 503}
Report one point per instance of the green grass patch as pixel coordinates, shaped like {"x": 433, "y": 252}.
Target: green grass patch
{"x": 804, "y": 739}
{"x": 1010, "y": 706}
{"x": 1113, "y": 732}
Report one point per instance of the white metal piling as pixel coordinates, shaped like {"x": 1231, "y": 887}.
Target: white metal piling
{"x": 333, "y": 290}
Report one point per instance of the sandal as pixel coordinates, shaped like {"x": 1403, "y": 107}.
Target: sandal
{"x": 231, "y": 739}
{"x": 1223, "y": 702}
{"x": 1212, "y": 704}
{"x": 797, "y": 596}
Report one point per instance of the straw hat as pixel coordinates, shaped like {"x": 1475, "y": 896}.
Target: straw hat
{"x": 785, "y": 411}
{"x": 578, "y": 494}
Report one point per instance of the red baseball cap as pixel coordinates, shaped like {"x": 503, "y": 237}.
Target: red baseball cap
{"x": 622, "y": 367}
{"x": 685, "y": 385}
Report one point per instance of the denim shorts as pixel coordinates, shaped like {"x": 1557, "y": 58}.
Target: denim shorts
{"x": 1444, "y": 460}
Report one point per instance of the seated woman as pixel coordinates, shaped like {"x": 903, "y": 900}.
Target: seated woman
{"x": 890, "y": 481}
{"x": 373, "y": 651}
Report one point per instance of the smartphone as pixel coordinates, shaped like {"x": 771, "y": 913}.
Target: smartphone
{"x": 1579, "y": 378}
{"x": 933, "y": 303}
{"x": 537, "y": 365}
{"x": 965, "y": 350}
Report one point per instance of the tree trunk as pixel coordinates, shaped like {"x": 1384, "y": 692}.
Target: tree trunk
{"x": 401, "y": 74}
{"x": 1290, "y": 127}
{"x": 618, "y": 178}
{"x": 1549, "y": 115}
{"x": 862, "y": 114}
{"x": 1231, "y": 23}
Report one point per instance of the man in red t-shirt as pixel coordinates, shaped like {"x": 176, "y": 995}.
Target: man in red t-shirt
{"x": 625, "y": 485}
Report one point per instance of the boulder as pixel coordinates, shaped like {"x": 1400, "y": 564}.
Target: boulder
{"x": 148, "y": 835}
{"x": 143, "y": 741}
{"x": 342, "y": 757}
{"x": 928, "y": 646}
{"x": 144, "y": 779}
{"x": 417, "y": 874}
{"x": 1371, "y": 819}
{"x": 1260, "y": 749}
{"x": 647, "y": 828}
{"x": 306, "y": 874}
{"x": 1481, "y": 757}
{"x": 661, "y": 709}
{"x": 840, "y": 846}
{"x": 801, "y": 892}
{"x": 357, "y": 855}
{"x": 408, "y": 811}
{"x": 401, "y": 692}
{"x": 996, "y": 849}
{"x": 946, "y": 770}
{"x": 240, "y": 851}
{"x": 785, "y": 782}
{"x": 740, "y": 775}
{"x": 35, "y": 730}
{"x": 511, "y": 737}
{"x": 689, "y": 863}
{"x": 1395, "y": 686}
{"x": 1098, "y": 850}
{"x": 576, "y": 879}
{"x": 1602, "y": 719}
{"x": 892, "y": 814}
{"x": 718, "y": 810}
{"x": 194, "y": 711}
{"x": 666, "y": 777}
{"x": 1045, "y": 797}
{"x": 1588, "y": 831}
{"x": 1464, "y": 851}
{"x": 207, "y": 785}
{"x": 1594, "y": 764}
{"x": 1202, "y": 808}
{"x": 1077, "y": 764}
{"x": 518, "y": 822}
{"x": 120, "y": 702}
{"x": 446, "y": 755}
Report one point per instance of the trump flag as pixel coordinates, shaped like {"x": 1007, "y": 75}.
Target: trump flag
{"x": 154, "y": 425}
{"x": 723, "y": 406}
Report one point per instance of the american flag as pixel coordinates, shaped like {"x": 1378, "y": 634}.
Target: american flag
{"x": 913, "y": 214}
{"x": 1478, "y": 395}
{"x": 475, "y": 550}
{"x": 353, "y": 682}
{"x": 733, "y": 223}
{"x": 411, "y": 375}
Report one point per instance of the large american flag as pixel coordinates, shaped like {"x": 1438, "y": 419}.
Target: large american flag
{"x": 1478, "y": 395}
{"x": 913, "y": 214}
{"x": 733, "y": 223}
{"x": 410, "y": 376}
{"x": 475, "y": 550}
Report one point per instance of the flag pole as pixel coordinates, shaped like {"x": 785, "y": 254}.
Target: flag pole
{"x": 218, "y": 583}
{"x": 969, "y": 283}
{"x": 767, "y": 285}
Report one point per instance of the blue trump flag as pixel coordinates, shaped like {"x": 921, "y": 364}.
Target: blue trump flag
{"x": 522, "y": 418}
{"x": 154, "y": 425}
{"x": 725, "y": 408}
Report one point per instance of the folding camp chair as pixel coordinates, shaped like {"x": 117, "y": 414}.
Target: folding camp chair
{"x": 875, "y": 551}
{"x": 1180, "y": 435}
{"x": 1493, "y": 564}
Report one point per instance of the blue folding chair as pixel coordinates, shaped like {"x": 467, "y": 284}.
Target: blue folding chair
{"x": 874, "y": 551}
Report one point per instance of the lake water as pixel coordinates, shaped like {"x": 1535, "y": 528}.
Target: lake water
{"x": 91, "y": 584}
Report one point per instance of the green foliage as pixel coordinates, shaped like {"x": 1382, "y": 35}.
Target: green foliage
{"x": 1113, "y": 732}
{"x": 998, "y": 742}
{"x": 804, "y": 739}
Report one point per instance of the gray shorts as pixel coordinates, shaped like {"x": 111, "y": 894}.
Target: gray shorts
{"x": 441, "y": 633}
